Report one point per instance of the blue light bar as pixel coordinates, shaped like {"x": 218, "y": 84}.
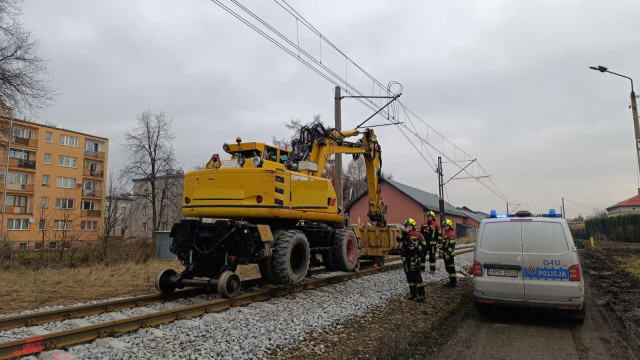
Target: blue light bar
{"x": 494, "y": 215}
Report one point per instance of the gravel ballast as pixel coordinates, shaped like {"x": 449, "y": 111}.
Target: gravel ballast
{"x": 258, "y": 330}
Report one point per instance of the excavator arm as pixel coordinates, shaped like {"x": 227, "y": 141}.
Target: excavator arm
{"x": 316, "y": 145}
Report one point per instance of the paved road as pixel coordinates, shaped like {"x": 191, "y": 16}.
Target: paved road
{"x": 534, "y": 335}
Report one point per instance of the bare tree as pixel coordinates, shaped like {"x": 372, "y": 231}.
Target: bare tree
{"x": 22, "y": 85}
{"x": 117, "y": 198}
{"x": 150, "y": 150}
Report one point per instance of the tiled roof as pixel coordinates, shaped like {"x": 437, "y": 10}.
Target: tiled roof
{"x": 633, "y": 201}
{"x": 427, "y": 200}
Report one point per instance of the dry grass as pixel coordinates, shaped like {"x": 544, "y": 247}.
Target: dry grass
{"x": 24, "y": 289}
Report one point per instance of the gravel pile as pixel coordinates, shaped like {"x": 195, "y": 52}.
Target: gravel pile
{"x": 256, "y": 330}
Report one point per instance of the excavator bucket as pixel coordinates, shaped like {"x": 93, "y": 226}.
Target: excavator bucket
{"x": 378, "y": 241}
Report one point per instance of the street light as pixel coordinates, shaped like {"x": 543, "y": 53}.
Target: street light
{"x": 634, "y": 107}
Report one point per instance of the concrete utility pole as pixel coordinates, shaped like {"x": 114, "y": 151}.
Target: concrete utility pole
{"x": 440, "y": 190}
{"x": 338, "y": 157}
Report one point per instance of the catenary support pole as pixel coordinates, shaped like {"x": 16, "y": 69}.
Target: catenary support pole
{"x": 338, "y": 157}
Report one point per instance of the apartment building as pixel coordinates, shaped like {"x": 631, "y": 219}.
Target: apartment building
{"x": 52, "y": 181}
{"x": 169, "y": 190}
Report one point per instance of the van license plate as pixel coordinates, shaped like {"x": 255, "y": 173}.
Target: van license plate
{"x": 502, "y": 272}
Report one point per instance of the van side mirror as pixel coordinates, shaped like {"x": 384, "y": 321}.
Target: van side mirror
{"x": 579, "y": 244}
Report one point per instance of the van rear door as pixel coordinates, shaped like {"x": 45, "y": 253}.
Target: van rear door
{"x": 500, "y": 252}
{"x": 546, "y": 261}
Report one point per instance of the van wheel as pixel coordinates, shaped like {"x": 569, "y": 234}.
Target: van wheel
{"x": 484, "y": 309}
{"x": 580, "y": 315}
{"x": 345, "y": 250}
{"x": 291, "y": 257}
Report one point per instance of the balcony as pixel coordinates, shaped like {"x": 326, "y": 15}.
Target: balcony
{"x": 92, "y": 193}
{"x": 25, "y": 142}
{"x": 17, "y": 187}
{"x": 10, "y": 209}
{"x": 91, "y": 213}
{"x": 93, "y": 173}
{"x": 21, "y": 163}
{"x": 94, "y": 154}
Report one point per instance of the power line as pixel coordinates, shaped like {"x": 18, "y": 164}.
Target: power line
{"x": 293, "y": 48}
{"x": 583, "y": 205}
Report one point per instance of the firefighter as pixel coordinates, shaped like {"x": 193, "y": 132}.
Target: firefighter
{"x": 430, "y": 229}
{"x": 447, "y": 251}
{"x": 413, "y": 252}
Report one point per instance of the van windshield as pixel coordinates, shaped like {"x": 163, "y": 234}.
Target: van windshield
{"x": 543, "y": 237}
{"x": 501, "y": 237}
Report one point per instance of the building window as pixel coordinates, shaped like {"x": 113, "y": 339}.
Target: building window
{"x": 37, "y": 246}
{"x": 67, "y": 161}
{"x": 21, "y": 132}
{"x": 17, "y": 178}
{"x": 19, "y": 154}
{"x": 47, "y": 158}
{"x": 66, "y": 244}
{"x": 62, "y": 225}
{"x": 48, "y": 137}
{"x": 144, "y": 226}
{"x": 68, "y": 140}
{"x": 64, "y": 203}
{"x": 88, "y": 205}
{"x": 65, "y": 182}
{"x": 53, "y": 245}
{"x": 23, "y": 246}
{"x": 44, "y": 202}
{"x": 90, "y": 225}
{"x": 45, "y": 180}
{"x": 18, "y": 224}
{"x": 42, "y": 224}
{"x": 19, "y": 203}
{"x": 145, "y": 211}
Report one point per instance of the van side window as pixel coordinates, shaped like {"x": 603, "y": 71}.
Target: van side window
{"x": 271, "y": 154}
{"x": 541, "y": 237}
{"x": 501, "y": 237}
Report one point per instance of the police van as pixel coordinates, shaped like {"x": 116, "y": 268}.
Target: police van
{"x": 528, "y": 260}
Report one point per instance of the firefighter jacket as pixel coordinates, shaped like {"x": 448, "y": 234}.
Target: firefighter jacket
{"x": 414, "y": 248}
{"x": 448, "y": 243}
{"x": 430, "y": 229}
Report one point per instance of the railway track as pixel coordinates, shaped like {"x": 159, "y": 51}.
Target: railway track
{"x": 90, "y": 332}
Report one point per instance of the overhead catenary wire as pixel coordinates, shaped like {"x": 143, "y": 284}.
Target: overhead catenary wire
{"x": 579, "y": 204}
{"x": 294, "y": 49}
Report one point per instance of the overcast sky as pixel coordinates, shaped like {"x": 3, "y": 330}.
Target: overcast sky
{"x": 506, "y": 81}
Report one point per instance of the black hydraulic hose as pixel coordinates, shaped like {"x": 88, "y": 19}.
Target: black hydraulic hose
{"x": 216, "y": 244}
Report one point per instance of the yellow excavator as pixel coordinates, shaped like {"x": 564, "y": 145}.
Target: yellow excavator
{"x": 271, "y": 206}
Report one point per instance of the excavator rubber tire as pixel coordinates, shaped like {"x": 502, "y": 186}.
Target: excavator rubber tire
{"x": 266, "y": 265}
{"x": 345, "y": 250}
{"x": 291, "y": 257}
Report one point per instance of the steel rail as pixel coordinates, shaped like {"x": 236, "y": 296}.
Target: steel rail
{"x": 57, "y": 340}
{"x": 79, "y": 311}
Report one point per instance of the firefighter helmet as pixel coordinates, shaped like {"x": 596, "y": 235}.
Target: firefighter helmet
{"x": 431, "y": 213}
{"x": 411, "y": 222}
{"x": 448, "y": 222}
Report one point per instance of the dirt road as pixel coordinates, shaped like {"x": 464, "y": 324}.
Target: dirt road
{"x": 449, "y": 327}
{"x": 535, "y": 335}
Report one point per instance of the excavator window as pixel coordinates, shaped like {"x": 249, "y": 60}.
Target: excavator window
{"x": 284, "y": 156}
{"x": 271, "y": 153}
